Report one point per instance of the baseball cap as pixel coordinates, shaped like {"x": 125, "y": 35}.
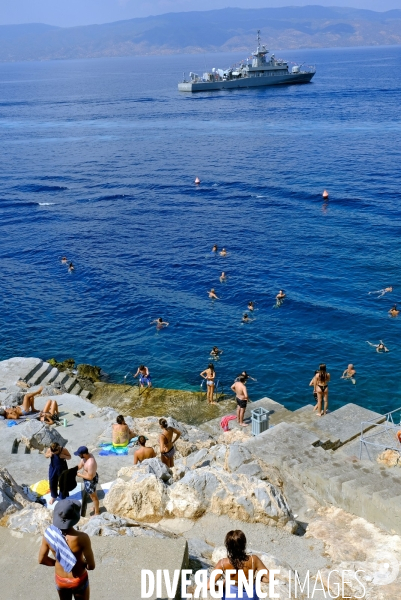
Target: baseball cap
{"x": 81, "y": 450}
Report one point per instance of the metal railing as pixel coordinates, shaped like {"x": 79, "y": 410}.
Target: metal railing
{"x": 381, "y": 433}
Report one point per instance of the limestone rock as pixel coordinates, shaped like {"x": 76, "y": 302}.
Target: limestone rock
{"x": 142, "y": 498}
{"x": 12, "y": 496}
{"x": 234, "y": 436}
{"x": 32, "y": 519}
{"x": 153, "y": 466}
{"x": 178, "y": 471}
{"x": 107, "y": 524}
{"x": 389, "y": 458}
{"x": 199, "y": 549}
{"x": 38, "y": 435}
{"x": 252, "y": 469}
{"x": 214, "y": 490}
{"x": 198, "y": 459}
{"x": 237, "y": 456}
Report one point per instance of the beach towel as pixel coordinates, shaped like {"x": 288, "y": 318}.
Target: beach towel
{"x": 110, "y": 450}
{"x": 63, "y": 553}
{"x": 41, "y": 488}
{"x": 225, "y": 421}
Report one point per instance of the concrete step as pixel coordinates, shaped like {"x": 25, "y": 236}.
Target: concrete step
{"x": 70, "y": 383}
{"x": 61, "y": 378}
{"x": 76, "y": 389}
{"x": 51, "y": 376}
{"x": 40, "y": 374}
{"x": 86, "y": 394}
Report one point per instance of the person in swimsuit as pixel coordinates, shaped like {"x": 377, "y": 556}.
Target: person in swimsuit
{"x": 223, "y": 252}
{"x": 382, "y": 292}
{"x": 49, "y": 414}
{"x": 27, "y": 407}
{"x": 216, "y": 353}
{"x": 209, "y": 375}
{"x": 246, "y": 376}
{"x": 313, "y": 383}
{"x": 379, "y": 347}
{"x": 64, "y": 260}
{"x": 223, "y": 277}
{"x": 167, "y": 441}
{"x": 349, "y": 373}
{"x": 280, "y": 297}
{"x": 144, "y": 376}
{"x": 160, "y": 323}
{"x": 121, "y": 433}
{"x": 215, "y": 248}
{"x": 322, "y": 379}
{"x": 143, "y": 452}
{"x": 393, "y": 311}
{"x": 241, "y": 395}
{"x": 238, "y": 560}
{"x": 246, "y": 319}
{"x": 89, "y": 474}
{"x": 71, "y": 267}
{"x": 212, "y": 295}
{"x": 74, "y": 583}
{"x": 251, "y": 305}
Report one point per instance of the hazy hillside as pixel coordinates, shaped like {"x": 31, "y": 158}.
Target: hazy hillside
{"x": 230, "y": 29}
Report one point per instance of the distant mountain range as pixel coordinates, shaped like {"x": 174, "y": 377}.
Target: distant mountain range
{"x": 229, "y": 29}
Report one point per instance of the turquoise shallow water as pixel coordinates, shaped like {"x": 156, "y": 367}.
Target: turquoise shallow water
{"x": 98, "y": 161}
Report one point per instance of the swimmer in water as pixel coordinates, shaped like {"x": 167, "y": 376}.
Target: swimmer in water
{"x": 379, "y": 347}
{"x": 349, "y": 373}
{"x": 71, "y": 267}
{"x": 64, "y": 260}
{"x": 215, "y": 248}
{"x": 216, "y": 353}
{"x": 223, "y": 277}
{"x": 223, "y": 252}
{"x": 280, "y": 296}
{"x": 212, "y": 295}
{"x": 246, "y": 319}
{"x": 246, "y": 376}
{"x": 393, "y": 311}
{"x": 383, "y": 291}
{"x": 251, "y": 305}
{"x": 160, "y": 323}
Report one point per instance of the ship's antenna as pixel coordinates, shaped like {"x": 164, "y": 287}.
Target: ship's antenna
{"x": 258, "y": 38}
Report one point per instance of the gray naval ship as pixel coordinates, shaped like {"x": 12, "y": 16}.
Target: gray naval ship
{"x": 260, "y": 73}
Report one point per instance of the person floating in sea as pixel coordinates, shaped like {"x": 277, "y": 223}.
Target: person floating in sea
{"x": 167, "y": 441}
{"x": 280, "y": 297}
{"x": 71, "y": 267}
{"x": 223, "y": 252}
{"x": 394, "y": 312}
{"x": 160, "y": 323}
{"x": 321, "y": 384}
{"x": 241, "y": 395}
{"x": 212, "y": 295}
{"x": 64, "y": 260}
{"x": 246, "y": 376}
{"x": 251, "y": 305}
{"x": 144, "y": 376}
{"x": 143, "y": 451}
{"x": 379, "y": 347}
{"x": 209, "y": 375}
{"x": 383, "y": 291}
{"x": 239, "y": 563}
{"x": 215, "y": 248}
{"x": 72, "y": 548}
{"x": 27, "y": 407}
{"x": 223, "y": 277}
{"x": 216, "y": 353}
{"x": 349, "y": 373}
{"x": 246, "y": 319}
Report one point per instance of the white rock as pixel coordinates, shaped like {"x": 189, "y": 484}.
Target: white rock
{"x": 38, "y": 435}
{"x": 33, "y": 519}
{"x": 12, "y": 496}
{"x": 142, "y": 498}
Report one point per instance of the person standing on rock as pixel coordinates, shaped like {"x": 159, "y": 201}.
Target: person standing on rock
{"x": 167, "y": 441}
{"x": 73, "y": 551}
{"x": 321, "y": 383}
{"x": 144, "y": 376}
{"x": 209, "y": 375}
{"x": 238, "y": 560}
{"x": 89, "y": 474}
{"x": 241, "y": 395}
{"x": 121, "y": 433}
{"x": 58, "y": 463}
{"x": 143, "y": 452}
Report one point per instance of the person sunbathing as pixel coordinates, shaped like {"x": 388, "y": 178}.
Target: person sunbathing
{"x": 49, "y": 414}
{"x": 27, "y": 407}
{"x": 143, "y": 452}
{"x": 121, "y": 433}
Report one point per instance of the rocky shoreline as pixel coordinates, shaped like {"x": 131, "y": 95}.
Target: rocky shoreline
{"x": 286, "y": 488}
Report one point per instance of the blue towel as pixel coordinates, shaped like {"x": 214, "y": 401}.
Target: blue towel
{"x": 57, "y": 542}
{"x": 12, "y": 423}
{"x": 110, "y": 450}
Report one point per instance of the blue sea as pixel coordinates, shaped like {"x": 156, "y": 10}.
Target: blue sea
{"x": 98, "y": 161}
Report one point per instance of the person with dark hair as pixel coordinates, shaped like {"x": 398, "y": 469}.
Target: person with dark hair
{"x": 246, "y": 376}
{"x": 121, "y": 433}
{"x": 72, "y": 549}
{"x": 49, "y": 414}
{"x": 71, "y": 267}
{"x": 238, "y": 560}
{"x": 215, "y": 248}
{"x": 313, "y": 383}
{"x": 215, "y": 352}
{"x": 167, "y": 441}
{"x": 27, "y": 407}
{"x": 144, "y": 376}
{"x": 223, "y": 277}
{"x": 394, "y": 312}
{"x": 160, "y": 323}
{"x": 251, "y": 305}
{"x": 246, "y": 319}
{"x": 58, "y": 463}
{"x": 143, "y": 452}
{"x": 321, "y": 383}
{"x": 241, "y": 395}
{"x": 209, "y": 375}
{"x": 89, "y": 474}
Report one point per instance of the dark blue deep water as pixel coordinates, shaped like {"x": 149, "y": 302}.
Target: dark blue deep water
{"x": 98, "y": 159}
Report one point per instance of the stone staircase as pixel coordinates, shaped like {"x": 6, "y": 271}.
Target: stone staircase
{"x": 38, "y": 372}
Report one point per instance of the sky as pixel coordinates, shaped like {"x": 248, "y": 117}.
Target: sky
{"x": 68, "y": 13}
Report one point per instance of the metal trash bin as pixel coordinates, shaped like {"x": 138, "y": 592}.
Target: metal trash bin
{"x": 259, "y": 420}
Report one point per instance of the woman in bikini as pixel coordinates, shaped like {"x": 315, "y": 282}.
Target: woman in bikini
{"x": 238, "y": 560}
{"x": 322, "y": 379}
{"x": 167, "y": 441}
{"x": 209, "y": 375}
{"x": 49, "y": 414}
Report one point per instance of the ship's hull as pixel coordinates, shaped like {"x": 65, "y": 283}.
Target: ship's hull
{"x": 246, "y": 82}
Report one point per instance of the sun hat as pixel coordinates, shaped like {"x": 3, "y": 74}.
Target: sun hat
{"x": 66, "y": 513}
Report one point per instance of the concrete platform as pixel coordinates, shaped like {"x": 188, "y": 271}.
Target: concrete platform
{"x": 119, "y": 561}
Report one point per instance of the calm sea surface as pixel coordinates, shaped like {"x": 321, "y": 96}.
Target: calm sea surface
{"x": 98, "y": 159}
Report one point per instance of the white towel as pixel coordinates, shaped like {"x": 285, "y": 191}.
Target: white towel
{"x": 57, "y": 542}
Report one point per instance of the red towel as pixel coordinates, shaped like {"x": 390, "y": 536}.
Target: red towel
{"x": 225, "y": 420}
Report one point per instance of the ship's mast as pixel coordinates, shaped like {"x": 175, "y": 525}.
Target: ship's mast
{"x": 258, "y": 39}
